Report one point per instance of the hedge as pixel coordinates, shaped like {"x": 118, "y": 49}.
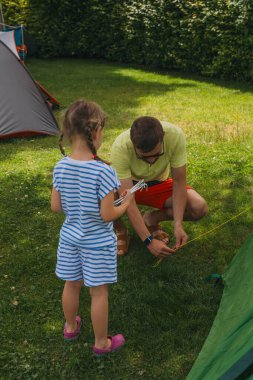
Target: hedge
{"x": 212, "y": 37}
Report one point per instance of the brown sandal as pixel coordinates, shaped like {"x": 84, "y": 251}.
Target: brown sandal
{"x": 123, "y": 242}
{"x": 157, "y": 232}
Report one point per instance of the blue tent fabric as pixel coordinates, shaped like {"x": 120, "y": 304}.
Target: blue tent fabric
{"x": 18, "y": 36}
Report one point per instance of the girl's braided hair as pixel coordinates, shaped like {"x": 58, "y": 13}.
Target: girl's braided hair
{"x": 82, "y": 118}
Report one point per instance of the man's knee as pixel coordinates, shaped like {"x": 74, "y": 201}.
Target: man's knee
{"x": 199, "y": 209}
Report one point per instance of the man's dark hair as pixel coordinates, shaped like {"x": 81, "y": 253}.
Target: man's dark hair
{"x": 146, "y": 132}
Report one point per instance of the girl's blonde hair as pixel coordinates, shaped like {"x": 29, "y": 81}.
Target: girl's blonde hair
{"x": 82, "y": 118}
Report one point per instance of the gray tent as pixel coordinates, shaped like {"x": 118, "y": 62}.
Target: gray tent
{"x": 23, "y": 108}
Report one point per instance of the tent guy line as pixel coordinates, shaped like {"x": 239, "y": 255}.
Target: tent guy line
{"x": 206, "y": 233}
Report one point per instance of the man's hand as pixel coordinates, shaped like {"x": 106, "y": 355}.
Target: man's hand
{"x": 181, "y": 236}
{"x": 159, "y": 249}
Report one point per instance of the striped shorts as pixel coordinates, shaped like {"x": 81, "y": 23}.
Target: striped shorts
{"x": 96, "y": 266}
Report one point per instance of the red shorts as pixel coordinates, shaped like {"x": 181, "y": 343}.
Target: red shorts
{"x": 155, "y": 195}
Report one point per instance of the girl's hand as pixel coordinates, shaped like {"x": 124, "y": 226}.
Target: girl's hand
{"x": 127, "y": 197}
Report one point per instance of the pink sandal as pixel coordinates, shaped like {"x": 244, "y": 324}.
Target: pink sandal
{"x": 69, "y": 336}
{"x": 117, "y": 342}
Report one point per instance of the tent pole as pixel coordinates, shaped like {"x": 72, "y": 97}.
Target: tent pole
{"x": 2, "y": 25}
{"x": 23, "y": 42}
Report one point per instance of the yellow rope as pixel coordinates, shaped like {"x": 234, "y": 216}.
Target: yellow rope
{"x": 205, "y": 233}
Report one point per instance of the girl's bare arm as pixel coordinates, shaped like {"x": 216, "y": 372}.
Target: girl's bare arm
{"x": 56, "y": 201}
{"x": 109, "y": 212}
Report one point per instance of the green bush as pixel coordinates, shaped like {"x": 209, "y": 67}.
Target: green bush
{"x": 15, "y": 12}
{"x": 211, "y": 37}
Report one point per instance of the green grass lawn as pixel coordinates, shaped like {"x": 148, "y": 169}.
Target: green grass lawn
{"x": 165, "y": 312}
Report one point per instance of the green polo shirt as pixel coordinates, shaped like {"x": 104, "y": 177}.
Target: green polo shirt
{"x": 127, "y": 165}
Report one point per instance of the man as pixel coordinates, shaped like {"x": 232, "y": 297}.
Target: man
{"x": 150, "y": 150}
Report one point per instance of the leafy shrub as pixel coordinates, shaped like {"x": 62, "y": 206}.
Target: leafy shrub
{"x": 211, "y": 37}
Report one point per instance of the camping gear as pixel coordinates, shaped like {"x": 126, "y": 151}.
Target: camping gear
{"x": 138, "y": 186}
{"x": 20, "y": 38}
{"x": 19, "y": 41}
{"x": 228, "y": 350}
{"x": 24, "y": 107}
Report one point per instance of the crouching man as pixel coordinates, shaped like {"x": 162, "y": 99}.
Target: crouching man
{"x": 156, "y": 152}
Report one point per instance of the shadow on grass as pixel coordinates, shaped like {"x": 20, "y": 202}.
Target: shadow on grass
{"x": 238, "y": 86}
{"x": 241, "y": 87}
{"x": 101, "y": 81}
{"x": 47, "y": 74}
{"x": 12, "y": 149}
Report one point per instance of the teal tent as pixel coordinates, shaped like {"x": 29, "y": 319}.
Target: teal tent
{"x": 228, "y": 350}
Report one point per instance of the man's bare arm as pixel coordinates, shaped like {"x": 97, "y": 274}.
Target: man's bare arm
{"x": 156, "y": 247}
{"x": 179, "y": 199}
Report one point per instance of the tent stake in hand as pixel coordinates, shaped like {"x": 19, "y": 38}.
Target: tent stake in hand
{"x": 138, "y": 186}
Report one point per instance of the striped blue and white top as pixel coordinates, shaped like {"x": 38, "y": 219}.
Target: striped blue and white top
{"x": 82, "y": 185}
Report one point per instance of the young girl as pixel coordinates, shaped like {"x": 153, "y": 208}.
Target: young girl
{"x": 83, "y": 188}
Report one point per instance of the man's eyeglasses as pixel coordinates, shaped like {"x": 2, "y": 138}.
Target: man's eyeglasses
{"x": 145, "y": 158}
